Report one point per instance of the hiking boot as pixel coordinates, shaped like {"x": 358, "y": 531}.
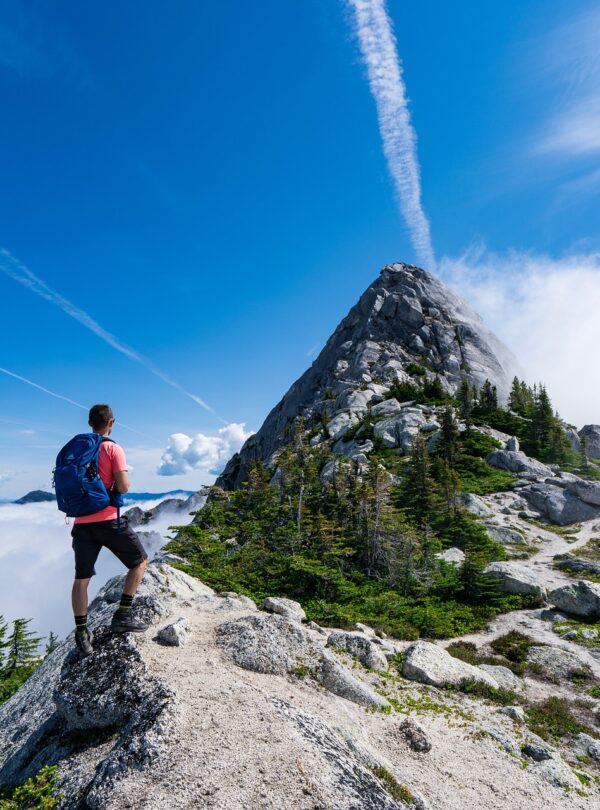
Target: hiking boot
{"x": 125, "y": 623}
{"x": 83, "y": 642}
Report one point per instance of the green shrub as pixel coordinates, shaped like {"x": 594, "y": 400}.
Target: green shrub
{"x": 513, "y": 645}
{"x": 38, "y": 793}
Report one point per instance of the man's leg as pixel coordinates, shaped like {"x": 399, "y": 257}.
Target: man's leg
{"x": 86, "y": 552}
{"x": 126, "y": 545}
{"x": 79, "y": 596}
{"x": 133, "y": 578}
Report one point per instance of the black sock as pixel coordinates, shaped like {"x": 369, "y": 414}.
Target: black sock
{"x": 81, "y": 624}
{"x": 125, "y": 603}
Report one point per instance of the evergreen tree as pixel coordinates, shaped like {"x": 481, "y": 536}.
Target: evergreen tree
{"x": 584, "y": 461}
{"x": 488, "y": 398}
{"x": 51, "y": 644}
{"x": 434, "y": 390}
{"x": 465, "y": 396}
{"x": 419, "y": 486}
{"x": 22, "y": 646}
{"x": 448, "y": 441}
{"x": 3, "y": 641}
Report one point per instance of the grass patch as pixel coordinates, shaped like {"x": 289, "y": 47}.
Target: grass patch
{"x": 514, "y": 646}
{"x": 502, "y": 696}
{"x": 396, "y": 790}
{"x": 553, "y": 718}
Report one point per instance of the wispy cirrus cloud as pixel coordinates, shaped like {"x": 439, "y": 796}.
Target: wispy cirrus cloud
{"x": 14, "y": 269}
{"x": 565, "y": 63}
{"x": 384, "y": 70}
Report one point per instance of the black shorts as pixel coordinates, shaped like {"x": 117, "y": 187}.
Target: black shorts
{"x": 88, "y": 539}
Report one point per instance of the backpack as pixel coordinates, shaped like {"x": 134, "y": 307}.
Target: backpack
{"x": 79, "y": 489}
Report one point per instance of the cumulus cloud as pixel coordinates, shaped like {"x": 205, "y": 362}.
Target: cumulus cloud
{"x": 200, "y": 452}
{"x": 546, "y": 310}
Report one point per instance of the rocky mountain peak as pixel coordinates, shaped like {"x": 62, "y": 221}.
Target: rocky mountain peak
{"x": 407, "y": 324}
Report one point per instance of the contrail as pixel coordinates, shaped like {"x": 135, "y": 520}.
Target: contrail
{"x": 65, "y": 399}
{"x": 384, "y": 71}
{"x": 13, "y": 268}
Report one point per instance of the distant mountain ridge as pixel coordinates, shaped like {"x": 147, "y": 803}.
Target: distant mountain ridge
{"x": 40, "y": 496}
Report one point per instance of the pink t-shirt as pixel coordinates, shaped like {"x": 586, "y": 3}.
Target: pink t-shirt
{"x": 111, "y": 460}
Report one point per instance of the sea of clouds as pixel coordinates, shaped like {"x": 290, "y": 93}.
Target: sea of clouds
{"x": 37, "y": 568}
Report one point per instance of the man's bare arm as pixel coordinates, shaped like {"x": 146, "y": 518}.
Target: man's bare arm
{"x": 122, "y": 481}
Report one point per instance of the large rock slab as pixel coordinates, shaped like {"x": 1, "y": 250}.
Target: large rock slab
{"x": 362, "y": 648}
{"x": 400, "y": 431}
{"x": 274, "y": 645}
{"x": 287, "y": 608}
{"x": 270, "y": 644}
{"x": 557, "y": 663}
{"x": 568, "y": 562}
{"x": 475, "y": 505}
{"x": 428, "y": 663}
{"x": 586, "y": 491}
{"x": 504, "y": 535}
{"x": 557, "y": 504}
{"x": 517, "y": 462}
{"x": 505, "y": 677}
{"x": 580, "y": 598}
{"x": 512, "y": 577}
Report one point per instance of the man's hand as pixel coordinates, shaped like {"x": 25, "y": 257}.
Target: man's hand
{"x": 122, "y": 481}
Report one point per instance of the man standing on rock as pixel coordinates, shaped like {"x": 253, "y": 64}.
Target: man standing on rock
{"x": 106, "y": 528}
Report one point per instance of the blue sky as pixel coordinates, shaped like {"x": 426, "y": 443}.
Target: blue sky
{"x": 208, "y": 183}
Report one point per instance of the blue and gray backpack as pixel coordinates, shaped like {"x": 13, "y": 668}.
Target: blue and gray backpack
{"x": 79, "y": 488}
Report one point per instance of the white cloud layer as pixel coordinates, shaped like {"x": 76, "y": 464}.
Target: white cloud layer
{"x": 546, "y": 310}
{"x": 200, "y": 452}
{"x": 384, "y": 70}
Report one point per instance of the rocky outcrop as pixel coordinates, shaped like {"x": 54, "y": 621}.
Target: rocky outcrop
{"x": 180, "y": 508}
{"x": 504, "y": 535}
{"x": 591, "y": 436}
{"x": 407, "y": 318}
{"x": 428, "y": 663}
{"x": 362, "y": 648}
{"x": 504, "y": 676}
{"x": 557, "y": 504}
{"x": 284, "y": 607}
{"x": 578, "y": 565}
{"x": 517, "y": 462}
{"x": 556, "y": 663}
{"x": 580, "y": 598}
{"x": 274, "y": 645}
{"x": 512, "y": 577}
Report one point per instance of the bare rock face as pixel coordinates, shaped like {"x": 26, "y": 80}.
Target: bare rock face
{"x": 591, "y": 435}
{"x": 287, "y": 608}
{"x": 557, "y": 663}
{"x": 407, "y": 316}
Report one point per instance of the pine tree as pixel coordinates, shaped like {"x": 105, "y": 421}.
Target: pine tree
{"x": 488, "y": 397}
{"x": 465, "y": 398}
{"x": 448, "y": 441}
{"x": 419, "y": 486}
{"x": 584, "y": 461}
{"x": 51, "y": 644}
{"x": 433, "y": 389}
{"x": 3, "y": 641}
{"x": 22, "y": 646}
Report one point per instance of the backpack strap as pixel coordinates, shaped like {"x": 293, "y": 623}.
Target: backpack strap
{"x": 106, "y": 439}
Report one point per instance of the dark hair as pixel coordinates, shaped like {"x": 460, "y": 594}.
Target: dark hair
{"x": 100, "y": 416}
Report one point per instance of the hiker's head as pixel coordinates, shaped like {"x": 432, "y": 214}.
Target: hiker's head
{"x": 101, "y": 419}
